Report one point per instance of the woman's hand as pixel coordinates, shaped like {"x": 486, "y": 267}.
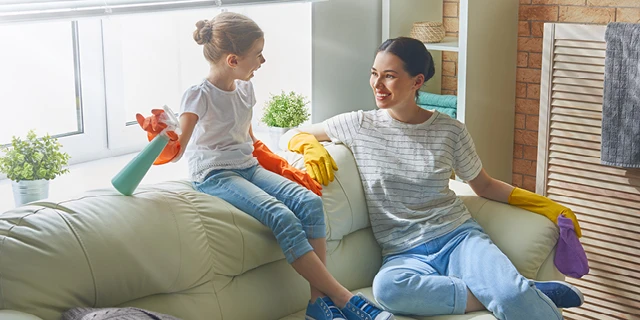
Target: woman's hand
{"x": 319, "y": 163}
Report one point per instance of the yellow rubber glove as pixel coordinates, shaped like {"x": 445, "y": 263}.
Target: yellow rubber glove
{"x": 319, "y": 163}
{"x": 542, "y": 205}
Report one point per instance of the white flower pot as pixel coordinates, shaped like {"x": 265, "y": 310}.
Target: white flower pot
{"x": 26, "y": 191}
{"x": 274, "y": 137}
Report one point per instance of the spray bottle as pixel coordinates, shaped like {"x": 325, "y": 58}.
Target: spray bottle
{"x": 128, "y": 179}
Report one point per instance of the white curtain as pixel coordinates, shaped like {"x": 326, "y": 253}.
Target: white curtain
{"x": 39, "y": 10}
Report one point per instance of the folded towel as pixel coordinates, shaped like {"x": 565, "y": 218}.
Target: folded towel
{"x": 113, "y": 314}
{"x": 451, "y": 112}
{"x": 621, "y": 101}
{"x": 438, "y": 100}
{"x": 570, "y": 258}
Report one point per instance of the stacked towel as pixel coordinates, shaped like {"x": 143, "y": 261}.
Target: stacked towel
{"x": 621, "y": 101}
{"x": 446, "y": 104}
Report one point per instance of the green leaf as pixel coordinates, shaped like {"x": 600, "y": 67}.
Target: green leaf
{"x": 33, "y": 158}
{"x": 285, "y": 110}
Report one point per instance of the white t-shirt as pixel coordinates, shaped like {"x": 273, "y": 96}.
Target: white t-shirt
{"x": 405, "y": 171}
{"x": 220, "y": 139}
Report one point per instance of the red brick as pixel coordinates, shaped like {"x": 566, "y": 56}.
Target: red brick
{"x": 613, "y": 3}
{"x": 526, "y": 137}
{"x": 449, "y": 83}
{"x": 586, "y": 14}
{"x": 533, "y": 91}
{"x": 529, "y": 183}
{"x": 532, "y": 122}
{"x": 450, "y": 10}
{"x": 535, "y": 60}
{"x": 539, "y": 13}
{"x": 521, "y": 90}
{"x": 537, "y": 29}
{"x": 450, "y": 24}
{"x": 524, "y": 28}
{"x": 518, "y": 151}
{"x": 521, "y": 121}
{"x": 526, "y": 167}
{"x": 523, "y": 59}
{"x": 528, "y": 106}
{"x": 628, "y": 15}
{"x": 450, "y": 56}
{"x": 530, "y": 152}
{"x": 516, "y": 179}
{"x": 530, "y": 44}
{"x": 528, "y": 75}
{"x": 566, "y": 2}
{"x": 449, "y": 68}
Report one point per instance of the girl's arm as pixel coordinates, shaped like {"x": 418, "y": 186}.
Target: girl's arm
{"x": 487, "y": 187}
{"x": 188, "y": 122}
{"x": 253, "y": 138}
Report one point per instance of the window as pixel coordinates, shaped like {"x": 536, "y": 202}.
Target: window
{"x": 85, "y": 80}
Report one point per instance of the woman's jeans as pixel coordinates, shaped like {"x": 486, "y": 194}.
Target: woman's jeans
{"x": 433, "y": 278}
{"x": 291, "y": 211}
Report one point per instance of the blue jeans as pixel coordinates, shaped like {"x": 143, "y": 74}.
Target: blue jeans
{"x": 433, "y": 278}
{"x": 291, "y": 211}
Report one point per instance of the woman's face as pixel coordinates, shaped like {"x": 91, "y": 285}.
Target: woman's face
{"x": 391, "y": 84}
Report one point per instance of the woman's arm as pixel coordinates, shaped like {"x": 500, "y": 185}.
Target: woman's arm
{"x": 317, "y": 130}
{"x": 188, "y": 122}
{"x": 487, "y": 187}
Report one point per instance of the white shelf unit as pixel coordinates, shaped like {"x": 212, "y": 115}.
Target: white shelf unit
{"x": 487, "y": 58}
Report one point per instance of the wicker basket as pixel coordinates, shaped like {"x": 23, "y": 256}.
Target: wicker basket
{"x": 427, "y": 31}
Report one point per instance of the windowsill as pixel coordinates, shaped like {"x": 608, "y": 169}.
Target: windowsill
{"x": 96, "y": 175}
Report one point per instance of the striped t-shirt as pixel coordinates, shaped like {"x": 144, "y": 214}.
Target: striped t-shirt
{"x": 405, "y": 171}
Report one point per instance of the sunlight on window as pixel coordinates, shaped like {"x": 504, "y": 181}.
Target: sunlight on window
{"x": 37, "y": 80}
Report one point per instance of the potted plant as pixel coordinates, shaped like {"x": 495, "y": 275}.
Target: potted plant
{"x": 283, "y": 112}
{"x": 31, "y": 164}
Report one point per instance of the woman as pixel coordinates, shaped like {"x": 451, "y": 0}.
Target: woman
{"x": 437, "y": 259}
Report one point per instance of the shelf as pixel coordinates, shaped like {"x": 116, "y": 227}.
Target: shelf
{"x": 447, "y": 44}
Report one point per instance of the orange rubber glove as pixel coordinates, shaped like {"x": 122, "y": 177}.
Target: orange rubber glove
{"x": 542, "y": 205}
{"x": 279, "y": 165}
{"x": 153, "y": 126}
{"x": 319, "y": 163}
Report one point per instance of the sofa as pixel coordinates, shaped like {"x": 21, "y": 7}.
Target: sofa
{"x": 173, "y": 250}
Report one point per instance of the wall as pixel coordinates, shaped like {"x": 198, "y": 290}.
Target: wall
{"x": 336, "y": 23}
{"x": 533, "y": 15}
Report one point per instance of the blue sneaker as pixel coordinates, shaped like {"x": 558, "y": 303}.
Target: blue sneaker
{"x": 359, "y": 308}
{"x": 323, "y": 309}
{"x": 563, "y": 294}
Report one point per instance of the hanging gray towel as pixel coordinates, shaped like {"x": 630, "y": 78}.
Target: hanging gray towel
{"x": 113, "y": 314}
{"x": 621, "y": 103}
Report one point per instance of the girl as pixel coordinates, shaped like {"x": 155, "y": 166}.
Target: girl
{"x": 437, "y": 259}
{"x": 216, "y": 126}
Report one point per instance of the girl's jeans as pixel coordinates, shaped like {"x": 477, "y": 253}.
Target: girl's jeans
{"x": 432, "y": 279}
{"x": 292, "y": 212}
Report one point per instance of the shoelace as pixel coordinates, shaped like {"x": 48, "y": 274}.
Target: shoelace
{"x": 367, "y": 307}
{"x": 335, "y": 311}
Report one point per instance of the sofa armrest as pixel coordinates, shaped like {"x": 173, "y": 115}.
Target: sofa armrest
{"x": 527, "y": 238}
{"x": 17, "y": 315}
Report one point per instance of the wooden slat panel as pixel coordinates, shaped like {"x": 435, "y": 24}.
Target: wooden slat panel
{"x": 576, "y": 143}
{"x": 579, "y": 75}
{"x": 624, "y": 304}
{"x": 577, "y": 97}
{"x": 580, "y": 82}
{"x": 575, "y": 135}
{"x": 615, "y": 265}
{"x": 597, "y": 168}
{"x": 587, "y": 226}
{"x": 619, "y": 180}
{"x": 578, "y": 67}
{"x": 583, "y": 60}
{"x": 592, "y": 153}
{"x": 581, "y": 44}
{"x": 577, "y": 113}
{"x": 577, "y": 105}
{"x": 580, "y": 52}
{"x": 574, "y": 157}
{"x": 578, "y": 89}
{"x": 594, "y": 183}
{"x": 612, "y": 271}
{"x": 581, "y": 121}
{"x": 594, "y": 190}
{"x": 601, "y": 214}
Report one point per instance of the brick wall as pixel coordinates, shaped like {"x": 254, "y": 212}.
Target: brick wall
{"x": 532, "y": 16}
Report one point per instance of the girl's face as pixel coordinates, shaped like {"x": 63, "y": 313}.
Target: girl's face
{"x": 391, "y": 84}
{"x": 251, "y": 61}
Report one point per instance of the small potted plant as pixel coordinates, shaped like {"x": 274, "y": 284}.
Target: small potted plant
{"x": 31, "y": 164}
{"x": 283, "y": 112}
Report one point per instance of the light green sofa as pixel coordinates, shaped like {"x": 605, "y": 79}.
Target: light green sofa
{"x": 173, "y": 250}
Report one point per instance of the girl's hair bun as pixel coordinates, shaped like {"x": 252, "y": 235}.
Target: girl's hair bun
{"x": 203, "y": 32}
